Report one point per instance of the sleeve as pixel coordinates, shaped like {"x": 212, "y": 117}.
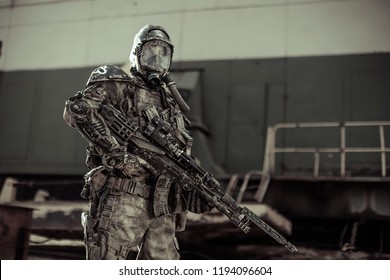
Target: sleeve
{"x": 93, "y": 159}
{"x": 82, "y": 113}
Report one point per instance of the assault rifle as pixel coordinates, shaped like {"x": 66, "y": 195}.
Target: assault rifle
{"x": 181, "y": 167}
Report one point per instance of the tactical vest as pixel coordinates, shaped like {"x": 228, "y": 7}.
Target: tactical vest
{"x": 131, "y": 96}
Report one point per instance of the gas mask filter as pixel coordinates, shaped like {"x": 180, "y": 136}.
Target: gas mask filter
{"x": 154, "y": 80}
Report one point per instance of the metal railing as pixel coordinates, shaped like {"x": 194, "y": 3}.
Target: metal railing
{"x": 269, "y": 164}
{"x": 261, "y": 176}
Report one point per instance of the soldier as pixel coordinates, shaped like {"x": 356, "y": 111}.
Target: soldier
{"x": 134, "y": 211}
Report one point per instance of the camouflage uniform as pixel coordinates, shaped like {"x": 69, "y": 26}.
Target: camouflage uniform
{"x": 131, "y": 215}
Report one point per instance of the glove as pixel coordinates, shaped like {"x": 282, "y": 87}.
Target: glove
{"x": 126, "y": 163}
{"x": 115, "y": 159}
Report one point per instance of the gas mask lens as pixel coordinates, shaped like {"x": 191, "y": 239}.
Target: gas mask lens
{"x": 156, "y": 55}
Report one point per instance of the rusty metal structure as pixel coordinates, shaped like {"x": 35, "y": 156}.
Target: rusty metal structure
{"x": 15, "y": 226}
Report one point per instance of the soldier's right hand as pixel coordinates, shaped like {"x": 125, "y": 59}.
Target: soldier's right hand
{"x": 128, "y": 164}
{"x": 132, "y": 168}
{"x": 115, "y": 159}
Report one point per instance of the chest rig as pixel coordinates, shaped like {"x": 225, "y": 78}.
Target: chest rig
{"x": 134, "y": 101}
{"x": 139, "y": 101}
{"x": 132, "y": 97}
{"x": 141, "y": 104}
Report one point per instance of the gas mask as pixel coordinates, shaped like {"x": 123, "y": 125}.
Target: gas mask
{"x": 155, "y": 58}
{"x": 151, "y": 55}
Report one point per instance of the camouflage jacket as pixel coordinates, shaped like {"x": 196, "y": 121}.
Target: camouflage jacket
{"x": 130, "y": 95}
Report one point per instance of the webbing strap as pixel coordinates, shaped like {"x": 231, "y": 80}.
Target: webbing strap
{"x": 130, "y": 186}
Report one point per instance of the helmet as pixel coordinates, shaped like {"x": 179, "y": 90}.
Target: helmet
{"x": 152, "y": 51}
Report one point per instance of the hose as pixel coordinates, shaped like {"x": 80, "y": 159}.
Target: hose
{"x": 166, "y": 78}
